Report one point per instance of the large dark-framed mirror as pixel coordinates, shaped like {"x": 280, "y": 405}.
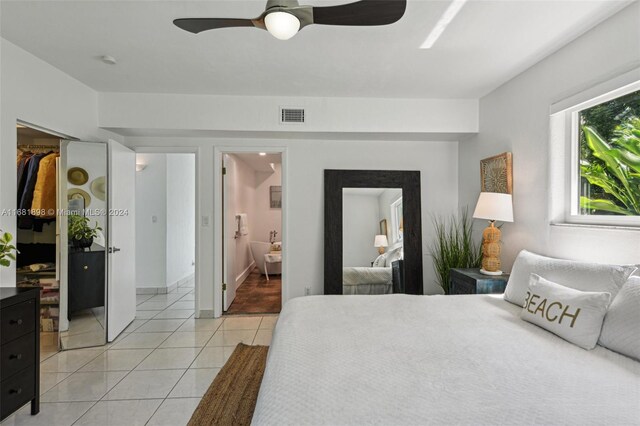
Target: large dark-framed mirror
{"x": 398, "y": 194}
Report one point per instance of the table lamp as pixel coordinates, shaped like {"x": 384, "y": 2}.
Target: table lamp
{"x": 380, "y": 242}
{"x": 493, "y": 206}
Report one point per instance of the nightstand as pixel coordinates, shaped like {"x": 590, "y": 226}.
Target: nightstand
{"x": 471, "y": 281}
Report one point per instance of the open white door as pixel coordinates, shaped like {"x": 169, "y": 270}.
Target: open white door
{"x": 229, "y": 225}
{"x": 121, "y": 290}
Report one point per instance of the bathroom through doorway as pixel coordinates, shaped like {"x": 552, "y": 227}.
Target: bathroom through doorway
{"x": 252, "y": 233}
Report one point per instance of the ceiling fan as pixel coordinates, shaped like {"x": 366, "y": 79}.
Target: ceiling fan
{"x": 284, "y": 18}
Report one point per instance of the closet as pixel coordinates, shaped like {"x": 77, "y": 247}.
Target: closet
{"x": 75, "y": 217}
{"x": 37, "y": 233}
{"x": 61, "y": 236}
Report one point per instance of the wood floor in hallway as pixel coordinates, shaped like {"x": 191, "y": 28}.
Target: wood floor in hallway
{"x": 257, "y": 295}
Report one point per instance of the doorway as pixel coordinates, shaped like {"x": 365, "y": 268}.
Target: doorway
{"x": 37, "y": 235}
{"x": 165, "y": 235}
{"x": 78, "y": 255}
{"x": 252, "y": 232}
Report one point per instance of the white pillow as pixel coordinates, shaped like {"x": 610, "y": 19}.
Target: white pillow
{"x": 578, "y": 275}
{"x": 574, "y": 315}
{"x": 621, "y": 328}
{"x": 380, "y": 261}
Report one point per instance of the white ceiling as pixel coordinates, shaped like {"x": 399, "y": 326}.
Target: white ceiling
{"x": 488, "y": 43}
{"x": 260, "y": 163}
{"x": 368, "y": 192}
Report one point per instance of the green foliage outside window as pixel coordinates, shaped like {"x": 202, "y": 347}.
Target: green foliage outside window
{"x": 610, "y": 157}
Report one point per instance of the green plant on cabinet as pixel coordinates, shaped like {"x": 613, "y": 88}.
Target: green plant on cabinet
{"x": 454, "y": 246}
{"x": 80, "y": 231}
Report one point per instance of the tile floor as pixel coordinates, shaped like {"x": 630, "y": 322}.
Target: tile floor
{"x": 155, "y": 373}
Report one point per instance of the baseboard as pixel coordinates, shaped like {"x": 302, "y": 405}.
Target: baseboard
{"x": 243, "y": 276}
{"x": 206, "y": 313}
{"x": 182, "y": 281}
{"x": 167, "y": 289}
{"x": 157, "y": 290}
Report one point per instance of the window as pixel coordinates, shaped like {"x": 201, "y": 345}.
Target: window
{"x": 605, "y": 135}
{"x": 397, "y": 222}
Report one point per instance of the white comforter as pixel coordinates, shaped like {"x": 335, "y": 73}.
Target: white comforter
{"x": 365, "y": 280}
{"x": 415, "y": 360}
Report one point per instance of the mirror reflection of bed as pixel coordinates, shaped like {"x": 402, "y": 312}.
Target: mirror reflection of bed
{"x": 372, "y": 238}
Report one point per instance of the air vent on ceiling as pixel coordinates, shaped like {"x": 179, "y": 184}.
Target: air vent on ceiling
{"x": 291, "y": 115}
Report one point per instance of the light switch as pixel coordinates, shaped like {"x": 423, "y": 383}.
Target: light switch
{"x": 205, "y": 220}
{"x": 154, "y": 219}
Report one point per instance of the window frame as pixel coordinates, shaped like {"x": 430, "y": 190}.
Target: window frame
{"x": 395, "y": 223}
{"x": 572, "y": 135}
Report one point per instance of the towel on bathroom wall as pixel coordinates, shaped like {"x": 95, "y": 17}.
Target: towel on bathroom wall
{"x": 243, "y": 225}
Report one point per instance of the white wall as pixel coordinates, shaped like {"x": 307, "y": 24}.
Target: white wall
{"x": 165, "y": 249}
{"x": 305, "y": 162}
{"x": 37, "y": 93}
{"x": 261, "y": 113}
{"x": 251, "y": 196}
{"x": 515, "y": 117}
{"x": 242, "y": 182}
{"x": 267, "y": 219}
{"x": 360, "y": 224}
{"x": 417, "y": 127}
{"x": 181, "y": 202}
{"x": 151, "y": 237}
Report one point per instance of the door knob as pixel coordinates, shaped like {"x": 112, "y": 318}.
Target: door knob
{"x": 113, "y": 249}
{"x": 18, "y": 321}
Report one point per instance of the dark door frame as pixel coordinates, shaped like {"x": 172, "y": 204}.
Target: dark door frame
{"x": 334, "y": 182}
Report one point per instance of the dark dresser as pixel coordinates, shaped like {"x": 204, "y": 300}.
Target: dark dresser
{"x": 397, "y": 276}
{"x": 19, "y": 350}
{"x": 86, "y": 280}
{"x": 471, "y": 281}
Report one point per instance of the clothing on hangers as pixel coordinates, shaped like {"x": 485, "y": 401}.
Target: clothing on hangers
{"x": 44, "y": 193}
{"x": 23, "y": 162}
{"x": 25, "y": 221}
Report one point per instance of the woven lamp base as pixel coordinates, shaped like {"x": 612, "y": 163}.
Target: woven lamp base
{"x": 491, "y": 250}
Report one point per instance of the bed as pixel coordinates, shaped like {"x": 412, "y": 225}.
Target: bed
{"x": 469, "y": 360}
{"x": 365, "y": 280}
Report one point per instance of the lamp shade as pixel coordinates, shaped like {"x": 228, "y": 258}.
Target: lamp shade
{"x": 282, "y": 25}
{"x": 494, "y": 206}
{"x": 380, "y": 241}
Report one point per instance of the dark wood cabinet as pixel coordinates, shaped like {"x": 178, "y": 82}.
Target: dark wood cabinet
{"x": 19, "y": 350}
{"x": 397, "y": 275}
{"x": 471, "y": 281}
{"x": 86, "y": 280}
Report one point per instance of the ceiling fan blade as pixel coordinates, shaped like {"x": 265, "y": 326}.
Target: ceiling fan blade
{"x": 361, "y": 13}
{"x": 197, "y": 25}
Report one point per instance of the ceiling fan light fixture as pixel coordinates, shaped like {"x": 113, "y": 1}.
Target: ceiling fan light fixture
{"x": 282, "y": 25}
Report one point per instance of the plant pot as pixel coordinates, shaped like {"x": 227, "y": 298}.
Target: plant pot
{"x": 80, "y": 245}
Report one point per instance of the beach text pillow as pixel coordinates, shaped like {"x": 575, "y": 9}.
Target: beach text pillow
{"x": 574, "y": 315}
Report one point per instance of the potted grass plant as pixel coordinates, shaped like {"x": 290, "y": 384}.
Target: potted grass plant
{"x": 454, "y": 246}
{"x": 7, "y": 250}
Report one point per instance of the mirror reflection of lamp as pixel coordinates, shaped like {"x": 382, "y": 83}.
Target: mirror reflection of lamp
{"x": 380, "y": 242}
{"x": 493, "y": 206}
